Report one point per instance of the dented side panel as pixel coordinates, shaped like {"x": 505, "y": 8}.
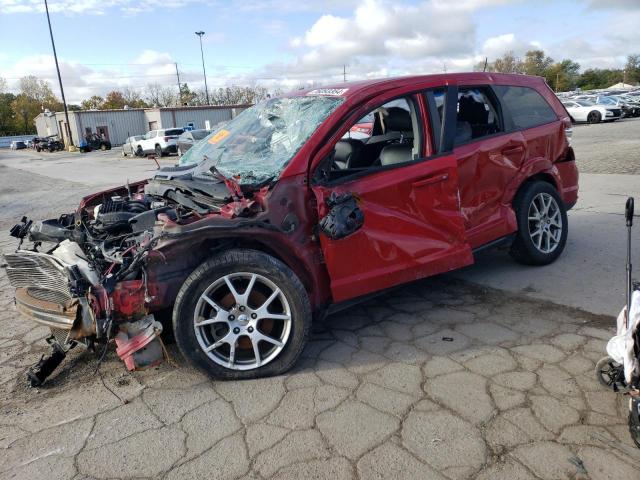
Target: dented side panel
{"x": 412, "y": 228}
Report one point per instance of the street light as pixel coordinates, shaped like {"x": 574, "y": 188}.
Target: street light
{"x": 204, "y": 72}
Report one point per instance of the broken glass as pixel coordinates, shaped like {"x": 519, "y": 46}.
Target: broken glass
{"x": 259, "y": 143}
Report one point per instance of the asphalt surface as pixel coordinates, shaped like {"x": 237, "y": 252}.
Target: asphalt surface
{"x": 441, "y": 379}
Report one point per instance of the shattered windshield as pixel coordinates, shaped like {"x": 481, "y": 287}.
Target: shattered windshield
{"x": 256, "y": 145}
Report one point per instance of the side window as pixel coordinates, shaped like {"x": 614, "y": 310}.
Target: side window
{"x": 387, "y": 135}
{"x": 527, "y": 108}
{"x": 477, "y": 115}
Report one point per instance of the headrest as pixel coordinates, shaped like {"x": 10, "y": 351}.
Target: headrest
{"x": 398, "y": 120}
{"x": 345, "y": 151}
{"x": 396, "y": 153}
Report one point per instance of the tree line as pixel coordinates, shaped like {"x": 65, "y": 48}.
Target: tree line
{"x": 18, "y": 111}
{"x": 564, "y": 75}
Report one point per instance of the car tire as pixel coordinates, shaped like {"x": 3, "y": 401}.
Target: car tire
{"x": 272, "y": 280}
{"x": 541, "y": 216}
{"x": 594, "y": 117}
{"x": 139, "y": 151}
{"x": 158, "y": 151}
{"x": 124, "y": 154}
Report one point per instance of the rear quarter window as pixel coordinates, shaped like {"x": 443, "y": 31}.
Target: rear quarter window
{"x": 526, "y": 107}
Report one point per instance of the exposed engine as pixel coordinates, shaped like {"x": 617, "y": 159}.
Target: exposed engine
{"x": 86, "y": 274}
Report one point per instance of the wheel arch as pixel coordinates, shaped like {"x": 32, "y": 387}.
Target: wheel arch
{"x": 313, "y": 278}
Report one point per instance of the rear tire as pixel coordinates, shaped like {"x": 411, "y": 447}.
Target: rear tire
{"x": 235, "y": 334}
{"x": 542, "y": 224}
{"x": 139, "y": 151}
{"x": 594, "y": 117}
{"x": 158, "y": 151}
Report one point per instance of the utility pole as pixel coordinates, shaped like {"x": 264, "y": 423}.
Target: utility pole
{"x": 344, "y": 73}
{"x": 204, "y": 72}
{"x": 55, "y": 56}
{"x": 557, "y": 80}
{"x": 179, "y": 87}
{"x": 486, "y": 60}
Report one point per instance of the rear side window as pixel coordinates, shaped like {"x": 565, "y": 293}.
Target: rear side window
{"x": 527, "y": 108}
{"x": 478, "y": 115}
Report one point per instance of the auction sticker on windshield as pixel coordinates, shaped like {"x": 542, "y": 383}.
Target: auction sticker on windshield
{"x": 221, "y": 135}
{"x": 331, "y": 92}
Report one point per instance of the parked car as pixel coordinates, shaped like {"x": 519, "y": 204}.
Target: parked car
{"x": 188, "y": 138}
{"x": 609, "y": 102}
{"x": 17, "y": 145}
{"x": 276, "y": 219}
{"x": 93, "y": 141}
{"x": 584, "y": 111}
{"x": 159, "y": 142}
{"x": 130, "y": 145}
{"x": 51, "y": 144}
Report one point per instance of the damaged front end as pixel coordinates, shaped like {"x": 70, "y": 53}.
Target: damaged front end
{"x": 85, "y": 275}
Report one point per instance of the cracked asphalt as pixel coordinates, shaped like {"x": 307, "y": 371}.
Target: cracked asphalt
{"x": 439, "y": 379}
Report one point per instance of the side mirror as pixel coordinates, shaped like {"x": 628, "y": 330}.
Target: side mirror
{"x": 628, "y": 212}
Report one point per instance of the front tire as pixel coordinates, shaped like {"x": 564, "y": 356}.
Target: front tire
{"x": 542, "y": 224}
{"x": 242, "y": 314}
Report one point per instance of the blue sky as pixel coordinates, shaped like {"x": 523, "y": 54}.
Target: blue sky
{"x": 120, "y": 43}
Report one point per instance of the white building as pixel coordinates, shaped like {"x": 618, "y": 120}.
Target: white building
{"x": 117, "y": 125}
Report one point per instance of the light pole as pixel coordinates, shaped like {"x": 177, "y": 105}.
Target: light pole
{"x": 55, "y": 56}
{"x": 204, "y": 72}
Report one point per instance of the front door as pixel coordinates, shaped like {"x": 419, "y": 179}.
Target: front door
{"x": 410, "y": 224}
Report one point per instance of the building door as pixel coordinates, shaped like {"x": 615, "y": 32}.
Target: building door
{"x": 103, "y": 131}
{"x": 153, "y": 125}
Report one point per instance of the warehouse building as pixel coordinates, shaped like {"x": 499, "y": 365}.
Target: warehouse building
{"x": 117, "y": 125}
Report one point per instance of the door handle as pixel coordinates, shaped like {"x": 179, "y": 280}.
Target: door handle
{"x": 512, "y": 150}
{"x": 431, "y": 180}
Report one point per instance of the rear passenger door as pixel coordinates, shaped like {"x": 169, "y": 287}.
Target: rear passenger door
{"x": 488, "y": 157}
{"x": 388, "y": 206}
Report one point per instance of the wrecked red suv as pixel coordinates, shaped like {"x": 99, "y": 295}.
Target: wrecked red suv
{"x": 283, "y": 214}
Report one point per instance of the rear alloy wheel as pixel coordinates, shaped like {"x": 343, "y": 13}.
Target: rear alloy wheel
{"x": 594, "y": 117}
{"x": 158, "y": 151}
{"x": 243, "y": 314}
{"x": 542, "y": 224}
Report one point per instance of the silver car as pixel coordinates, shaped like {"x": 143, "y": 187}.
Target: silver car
{"x": 130, "y": 145}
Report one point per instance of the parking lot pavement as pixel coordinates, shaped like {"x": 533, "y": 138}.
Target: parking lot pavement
{"x": 436, "y": 380}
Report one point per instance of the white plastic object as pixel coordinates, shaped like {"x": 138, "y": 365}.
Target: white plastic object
{"x": 620, "y": 347}
{"x": 71, "y": 253}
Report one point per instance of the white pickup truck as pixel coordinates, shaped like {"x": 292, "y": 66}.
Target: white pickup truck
{"x": 160, "y": 142}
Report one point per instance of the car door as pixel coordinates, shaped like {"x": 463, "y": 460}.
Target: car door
{"x": 489, "y": 155}
{"x": 409, "y": 214}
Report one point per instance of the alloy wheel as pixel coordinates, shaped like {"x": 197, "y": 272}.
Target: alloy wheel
{"x": 242, "y": 321}
{"x": 545, "y": 223}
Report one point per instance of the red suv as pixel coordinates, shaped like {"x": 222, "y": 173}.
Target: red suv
{"x": 282, "y": 215}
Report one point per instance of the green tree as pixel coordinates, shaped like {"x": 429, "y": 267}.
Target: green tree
{"x": 7, "y": 115}
{"x": 563, "y": 76}
{"x": 95, "y": 102}
{"x": 632, "y": 69}
{"x": 25, "y": 110}
{"x": 536, "y": 63}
